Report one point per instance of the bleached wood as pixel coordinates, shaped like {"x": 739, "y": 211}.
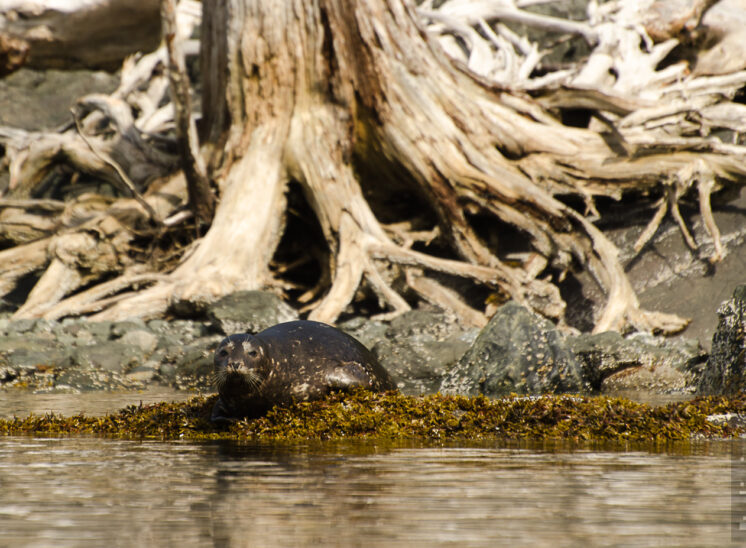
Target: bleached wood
{"x": 298, "y": 90}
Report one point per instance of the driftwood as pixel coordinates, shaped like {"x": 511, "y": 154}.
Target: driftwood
{"x": 75, "y": 33}
{"x": 332, "y": 93}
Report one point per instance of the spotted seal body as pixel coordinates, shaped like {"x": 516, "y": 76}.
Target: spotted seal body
{"x": 300, "y": 360}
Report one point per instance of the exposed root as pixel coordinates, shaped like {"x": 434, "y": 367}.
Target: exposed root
{"x": 348, "y": 272}
{"x": 361, "y": 81}
{"x": 652, "y": 226}
{"x": 384, "y": 291}
{"x": 101, "y": 296}
{"x": 439, "y": 295}
{"x": 18, "y": 261}
{"x": 236, "y": 252}
{"x": 697, "y": 172}
{"x": 673, "y": 204}
{"x": 705, "y": 185}
{"x": 622, "y": 306}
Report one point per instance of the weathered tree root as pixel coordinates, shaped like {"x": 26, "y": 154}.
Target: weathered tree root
{"x": 363, "y": 81}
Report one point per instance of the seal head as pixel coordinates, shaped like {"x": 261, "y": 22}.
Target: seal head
{"x": 239, "y": 365}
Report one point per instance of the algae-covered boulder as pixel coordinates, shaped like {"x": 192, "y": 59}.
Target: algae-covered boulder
{"x": 517, "y": 351}
{"x": 725, "y": 372}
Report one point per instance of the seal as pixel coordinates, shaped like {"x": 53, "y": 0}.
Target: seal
{"x": 300, "y": 360}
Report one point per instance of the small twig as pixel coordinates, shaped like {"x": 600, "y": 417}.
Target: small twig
{"x": 705, "y": 185}
{"x": 384, "y": 291}
{"x": 494, "y": 11}
{"x": 673, "y": 200}
{"x": 439, "y": 295}
{"x": 177, "y": 218}
{"x": 653, "y": 225}
{"x": 51, "y": 205}
{"x": 119, "y": 171}
{"x": 408, "y": 237}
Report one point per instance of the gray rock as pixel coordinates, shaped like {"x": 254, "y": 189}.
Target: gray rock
{"x": 167, "y": 373}
{"x": 26, "y": 376}
{"x": 167, "y": 341}
{"x": 188, "y": 330}
{"x": 141, "y": 374}
{"x": 368, "y": 332}
{"x": 87, "y": 332}
{"x": 195, "y": 368}
{"x": 725, "y": 372}
{"x": 734, "y": 420}
{"x": 39, "y": 99}
{"x": 85, "y": 338}
{"x": 99, "y": 330}
{"x": 67, "y": 340}
{"x": 183, "y": 331}
{"x": 249, "y": 312}
{"x": 612, "y": 363}
{"x": 81, "y": 331}
{"x": 119, "y": 329}
{"x": 16, "y": 342}
{"x": 416, "y": 348}
{"x": 42, "y": 360}
{"x": 517, "y": 351}
{"x": 89, "y": 379}
{"x": 110, "y": 356}
{"x": 187, "y": 366}
{"x": 44, "y": 326}
{"x": 20, "y": 326}
{"x": 141, "y": 339}
{"x": 25, "y": 359}
{"x": 7, "y": 374}
{"x": 158, "y": 326}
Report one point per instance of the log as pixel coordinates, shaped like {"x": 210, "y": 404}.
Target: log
{"x": 68, "y": 34}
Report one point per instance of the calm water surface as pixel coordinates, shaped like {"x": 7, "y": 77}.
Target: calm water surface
{"x": 98, "y": 492}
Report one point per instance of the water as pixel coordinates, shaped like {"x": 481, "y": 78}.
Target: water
{"x": 86, "y": 491}
{"x": 21, "y": 403}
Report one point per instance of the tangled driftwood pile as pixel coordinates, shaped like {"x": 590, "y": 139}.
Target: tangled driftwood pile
{"x": 327, "y": 95}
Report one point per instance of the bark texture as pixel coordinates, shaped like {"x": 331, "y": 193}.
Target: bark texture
{"x": 329, "y": 93}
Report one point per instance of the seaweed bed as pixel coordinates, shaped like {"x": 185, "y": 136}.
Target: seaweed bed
{"x": 367, "y": 415}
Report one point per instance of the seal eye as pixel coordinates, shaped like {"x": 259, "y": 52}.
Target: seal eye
{"x": 253, "y": 353}
{"x": 223, "y": 353}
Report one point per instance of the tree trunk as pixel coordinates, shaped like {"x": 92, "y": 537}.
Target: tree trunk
{"x": 325, "y": 92}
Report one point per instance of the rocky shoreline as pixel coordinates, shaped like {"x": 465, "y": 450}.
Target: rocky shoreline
{"x": 425, "y": 351}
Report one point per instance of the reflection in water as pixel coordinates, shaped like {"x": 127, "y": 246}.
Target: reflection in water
{"x": 97, "y": 492}
{"x": 21, "y": 403}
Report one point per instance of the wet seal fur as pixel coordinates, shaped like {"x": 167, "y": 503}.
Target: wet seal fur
{"x": 300, "y": 360}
